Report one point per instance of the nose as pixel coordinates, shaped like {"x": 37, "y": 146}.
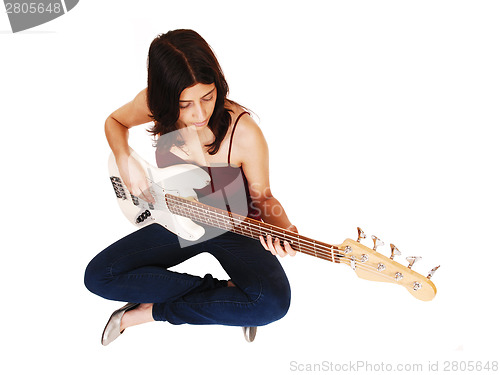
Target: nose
{"x": 199, "y": 113}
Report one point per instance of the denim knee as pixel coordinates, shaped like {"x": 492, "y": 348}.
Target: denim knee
{"x": 275, "y": 303}
{"x": 94, "y": 279}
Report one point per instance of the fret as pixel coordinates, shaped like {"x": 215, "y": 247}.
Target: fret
{"x": 261, "y": 232}
{"x": 251, "y": 233}
{"x": 246, "y": 230}
{"x": 230, "y": 220}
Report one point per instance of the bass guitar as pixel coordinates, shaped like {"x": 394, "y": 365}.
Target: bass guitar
{"x": 177, "y": 209}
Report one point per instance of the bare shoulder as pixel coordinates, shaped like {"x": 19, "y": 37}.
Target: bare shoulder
{"x": 248, "y": 139}
{"x": 135, "y": 112}
{"x": 246, "y": 124}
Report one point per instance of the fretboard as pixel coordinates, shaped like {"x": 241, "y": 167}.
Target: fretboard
{"x": 249, "y": 227}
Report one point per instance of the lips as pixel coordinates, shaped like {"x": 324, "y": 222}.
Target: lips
{"x": 200, "y": 123}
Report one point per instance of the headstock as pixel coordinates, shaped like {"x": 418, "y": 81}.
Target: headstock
{"x": 371, "y": 265}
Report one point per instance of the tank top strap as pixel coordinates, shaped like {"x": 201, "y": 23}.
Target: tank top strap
{"x": 232, "y": 134}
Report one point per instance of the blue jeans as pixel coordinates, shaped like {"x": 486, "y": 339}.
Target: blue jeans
{"x": 135, "y": 269}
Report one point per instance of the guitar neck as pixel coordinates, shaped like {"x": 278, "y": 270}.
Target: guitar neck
{"x": 249, "y": 227}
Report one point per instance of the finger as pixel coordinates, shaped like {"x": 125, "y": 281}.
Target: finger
{"x": 270, "y": 244}
{"x": 289, "y": 249}
{"x": 278, "y": 248}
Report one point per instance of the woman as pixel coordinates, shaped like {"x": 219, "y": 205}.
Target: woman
{"x": 194, "y": 122}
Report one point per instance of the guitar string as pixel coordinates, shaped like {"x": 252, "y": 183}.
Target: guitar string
{"x": 228, "y": 222}
{"x": 232, "y": 221}
{"x": 308, "y": 247}
{"x": 304, "y": 249}
{"x": 327, "y": 253}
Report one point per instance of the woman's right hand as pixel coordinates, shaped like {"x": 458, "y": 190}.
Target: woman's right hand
{"x": 134, "y": 178}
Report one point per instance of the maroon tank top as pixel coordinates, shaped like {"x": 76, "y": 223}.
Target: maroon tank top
{"x": 228, "y": 187}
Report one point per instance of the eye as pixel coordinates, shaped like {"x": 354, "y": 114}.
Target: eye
{"x": 208, "y": 99}
{"x": 182, "y": 106}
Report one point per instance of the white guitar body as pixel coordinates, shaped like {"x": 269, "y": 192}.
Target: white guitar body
{"x": 178, "y": 180}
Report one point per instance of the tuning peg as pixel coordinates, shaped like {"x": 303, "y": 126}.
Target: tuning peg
{"x": 361, "y": 234}
{"x": 394, "y": 251}
{"x": 376, "y": 242}
{"x": 431, "y": 272}
{"x": 412, "y": 260}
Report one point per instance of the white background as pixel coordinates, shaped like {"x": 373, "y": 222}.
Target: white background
{"x": 378, "y": 114}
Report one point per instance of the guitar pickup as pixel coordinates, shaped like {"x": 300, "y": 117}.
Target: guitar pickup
{"x": 118, "y": 187}
{"x": 135, "y": 200}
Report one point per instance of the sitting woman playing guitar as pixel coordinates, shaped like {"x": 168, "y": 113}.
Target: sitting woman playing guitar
{"x": 194, "y": 122}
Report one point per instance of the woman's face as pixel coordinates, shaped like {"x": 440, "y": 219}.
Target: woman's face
{"x": 196, "y": 105}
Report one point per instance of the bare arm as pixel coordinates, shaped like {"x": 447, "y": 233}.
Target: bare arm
{"x": 252, "y": 152}
{"x": 116, "y": 128}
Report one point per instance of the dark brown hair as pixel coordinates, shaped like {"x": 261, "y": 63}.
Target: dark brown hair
{"x": 177, "y": 60}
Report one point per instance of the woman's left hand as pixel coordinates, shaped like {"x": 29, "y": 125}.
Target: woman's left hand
{"x": 275, "y": 247}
